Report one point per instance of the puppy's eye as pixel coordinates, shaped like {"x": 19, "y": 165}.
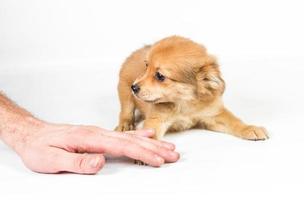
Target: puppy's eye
{"x": 159, "y": 76}
{"x": 146, "y": 63}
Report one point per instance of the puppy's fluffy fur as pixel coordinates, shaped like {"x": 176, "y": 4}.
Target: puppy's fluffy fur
{"x": 176, "y": 86}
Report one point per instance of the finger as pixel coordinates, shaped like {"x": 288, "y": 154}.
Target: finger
{"x": 114, "y": 144}
{"x": 157, "y": 147}
{"x": 153, "y": 145}
{"x": 164, "y": 144}
{"x": 138, "y": 135}
{"x": 134, "y": 151}
{"x": 142, "y": 132}
{"x": 150, "y": 133}
{"x": 78, "y": 163}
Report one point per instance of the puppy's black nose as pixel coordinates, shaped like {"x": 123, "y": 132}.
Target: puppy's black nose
{"x": 135, "y": 88}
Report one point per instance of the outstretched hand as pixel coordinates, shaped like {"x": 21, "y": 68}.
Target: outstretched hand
{"x": 53, "y": 148}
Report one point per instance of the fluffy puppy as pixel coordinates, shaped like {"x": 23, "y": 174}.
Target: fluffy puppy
{"x": 176, "y": 85}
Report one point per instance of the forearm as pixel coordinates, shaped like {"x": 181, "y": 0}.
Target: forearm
{"x": 15, "y": 123}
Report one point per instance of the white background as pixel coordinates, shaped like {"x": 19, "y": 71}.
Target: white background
{"x": 60, "y": 59}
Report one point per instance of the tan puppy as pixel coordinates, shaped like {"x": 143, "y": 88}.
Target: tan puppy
{"x": 176, "y": 85}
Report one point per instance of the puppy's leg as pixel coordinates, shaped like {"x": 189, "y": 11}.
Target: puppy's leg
{"x": 228, "y": 123}
{"x": 126, "y": 116}
{"x": 158, "y": 125}
{"x": 160, "y": 130}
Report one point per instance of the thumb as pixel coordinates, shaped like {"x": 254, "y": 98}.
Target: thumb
{"x": 80, "y": 163}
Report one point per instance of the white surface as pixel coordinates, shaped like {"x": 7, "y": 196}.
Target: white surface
{"x": 60, "y": 59}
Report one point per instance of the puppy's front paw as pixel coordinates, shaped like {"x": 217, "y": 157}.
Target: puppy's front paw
{"x": 139, "y": 162}
{"x": 125, "y": 126}
{"x": 254, "y": 133}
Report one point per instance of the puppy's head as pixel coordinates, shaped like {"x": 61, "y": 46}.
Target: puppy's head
{"x": 178, "y": 69}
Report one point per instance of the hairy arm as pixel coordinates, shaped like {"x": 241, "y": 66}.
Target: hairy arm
{"x": 15, "y": 123}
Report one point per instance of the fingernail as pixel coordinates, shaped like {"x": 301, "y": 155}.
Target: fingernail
{"x": 160, "y": 159}
{"x": 170, "y": 146}
{"x": 95, "y": 162}
{"x": 174, "y": 154}
{"x": 150, "y": 130}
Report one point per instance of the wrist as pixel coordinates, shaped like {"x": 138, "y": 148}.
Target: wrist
{"x": 18, "y": 129}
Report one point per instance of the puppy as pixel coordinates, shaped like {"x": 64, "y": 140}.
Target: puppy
{"x": 176, "y": 85}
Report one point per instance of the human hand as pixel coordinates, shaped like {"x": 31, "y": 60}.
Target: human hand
{"x": 53, "y": 148}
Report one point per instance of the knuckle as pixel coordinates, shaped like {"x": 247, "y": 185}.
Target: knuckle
{"x": 79, "y": 163}
{"x": 126, "y": 147}
{"x": 128, "y": 135}
{"x": 84, "y": 132}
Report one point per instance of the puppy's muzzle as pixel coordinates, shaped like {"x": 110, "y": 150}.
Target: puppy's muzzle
{"x": 135, "y": 88}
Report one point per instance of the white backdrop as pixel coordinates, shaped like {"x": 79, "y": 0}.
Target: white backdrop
{"x": 69, "y": 32}
{"x": 60, "y": 59}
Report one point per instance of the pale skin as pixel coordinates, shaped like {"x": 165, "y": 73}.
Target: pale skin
{"x": 51, "y": 148}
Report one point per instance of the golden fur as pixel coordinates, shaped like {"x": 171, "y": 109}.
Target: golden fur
{"x": 189, "y": 96}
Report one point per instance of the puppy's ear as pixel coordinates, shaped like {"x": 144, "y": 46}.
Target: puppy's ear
{"x": 209, "y": 81}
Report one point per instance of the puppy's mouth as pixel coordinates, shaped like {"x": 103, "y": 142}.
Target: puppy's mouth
{"x": 151, "y": 101}
{"x": 146, "y": 100}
